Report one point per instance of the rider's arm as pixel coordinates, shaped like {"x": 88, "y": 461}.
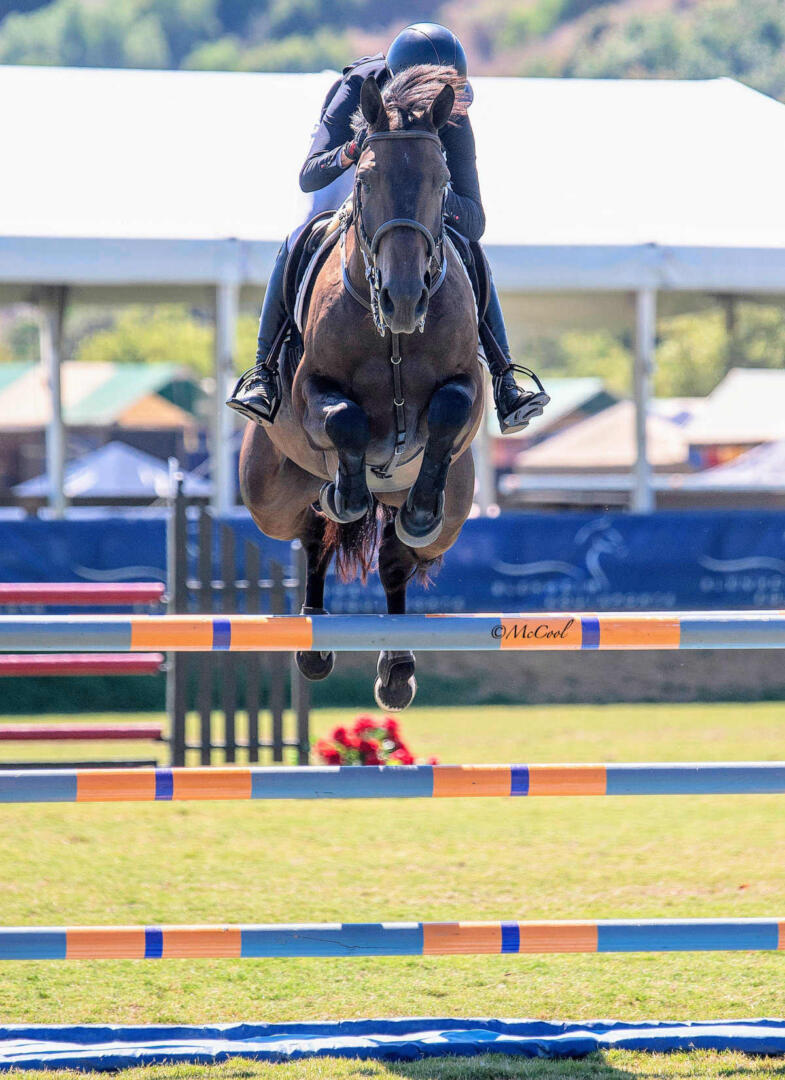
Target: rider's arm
{"x": 326, "y": 160}
{"x": 463, "y": 210}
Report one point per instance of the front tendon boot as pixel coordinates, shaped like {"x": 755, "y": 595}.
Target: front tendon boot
{"x": 514, "y": 407}
{"x": 258, "y": 393}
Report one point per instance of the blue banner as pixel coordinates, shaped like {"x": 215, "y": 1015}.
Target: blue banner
{"x": 517, "y": 562}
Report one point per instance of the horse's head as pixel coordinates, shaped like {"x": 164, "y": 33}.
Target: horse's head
{"x": 400, "y": 189}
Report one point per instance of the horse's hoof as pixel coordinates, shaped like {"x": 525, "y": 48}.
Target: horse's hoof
{"x": 331, "y": 504}
{"x": 419, "y": 534}
{"x": 314, "y": 665}
{"x": 395, "y": 684}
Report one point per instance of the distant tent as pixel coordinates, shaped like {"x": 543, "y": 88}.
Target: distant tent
{"x": 141, "y": 396}
{"x": 115, "y": 471}
{"x": 762, "y": 467}
{"x": 606, "y": 443}
{"x": 745, "y": 409}
{"x": 572, "y": 399}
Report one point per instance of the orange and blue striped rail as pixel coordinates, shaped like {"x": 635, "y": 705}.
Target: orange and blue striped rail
{"x": 388, "y": 782}
{"x": 389, "y": 939}
{"x": 369, "y": 633}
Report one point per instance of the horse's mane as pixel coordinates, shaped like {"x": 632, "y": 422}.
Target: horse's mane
{"x": 409, "y": 95}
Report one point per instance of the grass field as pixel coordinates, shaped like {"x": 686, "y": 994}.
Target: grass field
{"x": 452, "y": 859}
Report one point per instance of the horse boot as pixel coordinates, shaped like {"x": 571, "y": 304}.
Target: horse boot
{"x": 347, "y": 498}
{"x": 514, "y": 407}
{"x": 395, "y": 684}
{"x": 314, "y": 665}
{"x": 258, "y": 393}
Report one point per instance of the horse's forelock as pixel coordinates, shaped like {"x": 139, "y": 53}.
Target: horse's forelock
{"x": 409, "y": 95}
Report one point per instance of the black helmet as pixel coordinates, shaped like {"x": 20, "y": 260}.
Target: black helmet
{"x": 426, "y": 43}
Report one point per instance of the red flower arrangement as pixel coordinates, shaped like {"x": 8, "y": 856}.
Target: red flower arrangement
{"x": 368, "y": 742}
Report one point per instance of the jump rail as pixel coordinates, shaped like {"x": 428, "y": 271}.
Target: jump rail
{"x": 79, "y": 733}
{"x": 368, "y": 633}
{"x": 41, "y": 664}
{"x": 389, "y": 939}
{"x": 388, "y": 782}
{"x": 82, "y": 593}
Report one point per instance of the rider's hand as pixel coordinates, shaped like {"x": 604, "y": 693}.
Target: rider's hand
{"x": 350, "y": 151}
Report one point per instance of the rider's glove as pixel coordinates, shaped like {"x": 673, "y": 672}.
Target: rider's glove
{"x": 354, "y": 147}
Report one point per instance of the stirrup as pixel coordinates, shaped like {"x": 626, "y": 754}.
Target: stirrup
{"x": 264, "y": 399}
{"x": 532, "y": 405}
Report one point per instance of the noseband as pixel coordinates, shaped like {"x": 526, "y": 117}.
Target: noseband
{"x": 369, "y": 245}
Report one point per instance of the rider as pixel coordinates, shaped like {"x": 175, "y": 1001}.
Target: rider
{"x": 335, "y": 150}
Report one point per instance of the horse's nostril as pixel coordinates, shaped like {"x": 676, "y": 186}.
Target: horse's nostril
{"x": 422, "y": 304}
{"x": 385, "y": 302}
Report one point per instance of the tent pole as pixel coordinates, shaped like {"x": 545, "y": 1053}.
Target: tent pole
{"x": 52, "y": 316}
{"x": 227, "y": 299}
{"x": 482, "y": 449}
{"x": 645, "y": 344}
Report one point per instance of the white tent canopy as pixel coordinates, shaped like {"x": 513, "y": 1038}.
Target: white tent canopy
{"x": 159, "y": 184}
{"x": 587, "y": 184}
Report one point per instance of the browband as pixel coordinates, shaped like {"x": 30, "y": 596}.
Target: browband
{"x": 379, "y": 135}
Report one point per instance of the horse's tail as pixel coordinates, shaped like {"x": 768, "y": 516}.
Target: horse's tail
{"x": 355, "y": 545}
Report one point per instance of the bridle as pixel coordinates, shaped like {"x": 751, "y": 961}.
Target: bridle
{"x": 369, "y": 245}
{"x": 369, "y": 249}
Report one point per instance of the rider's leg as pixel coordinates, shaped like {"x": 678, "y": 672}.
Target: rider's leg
{"x": 514, "y": 407}
{"x": 257, "y": 392}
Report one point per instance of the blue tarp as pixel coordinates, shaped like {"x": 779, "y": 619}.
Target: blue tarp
{"x": 105, "y": 1047}
{"x": 685, "y": 560}
{"x": 115, "y": 471}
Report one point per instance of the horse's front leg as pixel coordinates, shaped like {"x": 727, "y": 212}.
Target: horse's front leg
{"x": 421, "y": 518}
{"x": 334, "y": 421}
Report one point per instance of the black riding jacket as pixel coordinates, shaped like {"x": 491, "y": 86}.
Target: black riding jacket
{"x": 463, "y": 210}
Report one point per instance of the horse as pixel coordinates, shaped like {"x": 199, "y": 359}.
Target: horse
{"x": 369, "y": 452}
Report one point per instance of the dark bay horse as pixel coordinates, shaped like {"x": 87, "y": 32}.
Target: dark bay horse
{"x": 369, "y": 448}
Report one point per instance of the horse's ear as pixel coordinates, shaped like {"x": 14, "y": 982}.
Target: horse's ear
{"x": 371, "y": 103}
{"x": 439, "y": 112}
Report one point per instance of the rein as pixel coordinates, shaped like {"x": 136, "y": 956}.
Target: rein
{"x": 369, "y": 249}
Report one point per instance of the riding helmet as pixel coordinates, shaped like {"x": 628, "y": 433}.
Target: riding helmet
{"x": 426, "y": 43}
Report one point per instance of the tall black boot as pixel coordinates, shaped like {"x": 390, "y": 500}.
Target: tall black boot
{"x": 258, "y": 392}
{"x": 514, "y": 407}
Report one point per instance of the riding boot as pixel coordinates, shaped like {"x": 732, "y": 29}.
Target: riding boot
{"x": 514, "y": 407}
{"x": 258, "y": 392}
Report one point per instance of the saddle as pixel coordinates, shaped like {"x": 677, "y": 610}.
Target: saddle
{"x": 302, "y": 259}
{"x": 476, "y": 265}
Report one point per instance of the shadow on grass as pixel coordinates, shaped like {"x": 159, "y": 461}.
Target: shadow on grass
{"x": 617, "y": 1065}
{"x": 599, "y": 1066}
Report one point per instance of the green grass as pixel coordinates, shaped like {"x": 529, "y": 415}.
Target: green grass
{"x": 452, "y": 859}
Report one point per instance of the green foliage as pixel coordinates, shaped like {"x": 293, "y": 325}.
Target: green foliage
{"x": 745, "y": 40}
{"x": 585, "y": 353}
{"x": 113, "y": 33}
{"x": 694, "y": 351}
{"x": 724, "y": 37}
{"x": 297, "y": 52}
{"x": 167, "y": 333}
{"x": 21, "y": 342}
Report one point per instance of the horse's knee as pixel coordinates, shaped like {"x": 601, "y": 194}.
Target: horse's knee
{"x": 347, "y": 427}
{"x": 449, "y": 410}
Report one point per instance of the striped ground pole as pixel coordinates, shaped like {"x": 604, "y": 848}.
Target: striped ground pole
{"x": 388, "y": 782}
{"x": 389, "y": 939}
{"x": 368, "y": 633}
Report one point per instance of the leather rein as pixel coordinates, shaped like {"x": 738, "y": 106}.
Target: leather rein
{"x": 369, "y": 249}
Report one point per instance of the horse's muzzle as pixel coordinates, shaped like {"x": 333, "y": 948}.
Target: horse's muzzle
{"x": 403, "y": 310}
